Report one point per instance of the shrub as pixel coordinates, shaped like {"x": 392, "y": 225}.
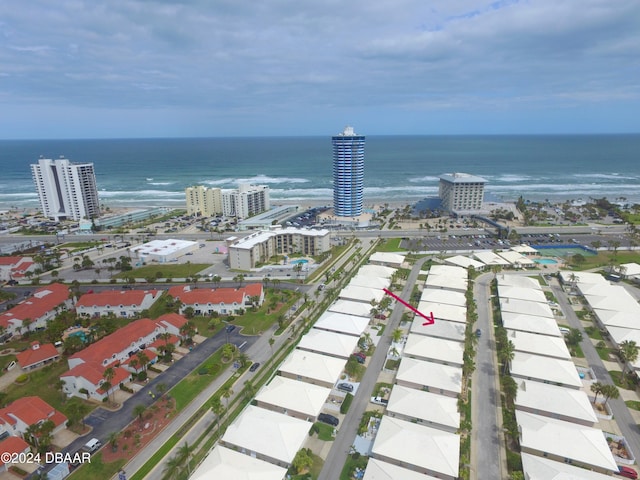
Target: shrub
{"x": 142, "y": 376}
{"x": 22, "y": 378}
{"x": 344, "y": 408}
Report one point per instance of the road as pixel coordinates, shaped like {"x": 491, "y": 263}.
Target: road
{"x": 621, "y": 414}
{"x": 486, "y": 437}
{"x": 349, "y": 429}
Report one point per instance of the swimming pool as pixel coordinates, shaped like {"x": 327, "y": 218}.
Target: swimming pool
{"x": 546, "y": 261}
{"x": 300, "y": 260}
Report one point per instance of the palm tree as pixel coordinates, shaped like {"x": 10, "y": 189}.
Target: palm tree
{"x": 510, "y": 389}
{"x": 227, "y": 391}
{"x": 507, "y": 353}
{"x": 184, "y": 453}
{"x": 108, "y": 375}
{"x": 628, "y": 353}
{"x": 396, "y": 336}
{"x": 597, "y": 388}
{"x": 138, "y": 411}
{"x": 218, "y": 408}
{"x": 610, "y": 391}
{"x": 172, "y": 468}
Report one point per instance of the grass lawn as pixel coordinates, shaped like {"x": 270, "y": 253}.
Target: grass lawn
{"x": 4, "y": 361}
{"x": 313, "y": 472}
{"x": 353, "y": 461}
{"x": 98, "y": 469}
{"x": 166, "y": 270}
{"x": 4, "y": 296}
{"x": 277, "y": 302}
{"x": 633, "y": 404}
{"x": 593, "y": 332}
{"x": 604, "y": 259}
{"x": 325, "y": 432}
{"x": 390, "y": 245}
{"x": 618, "y": 381}
{"x": 603, "y": 353}
{"x": 576, "y": 351}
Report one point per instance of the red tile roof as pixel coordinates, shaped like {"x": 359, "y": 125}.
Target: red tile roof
{"x": 114, "y": 298}
{"x": 121, "y": 375}
{"x": 203, "y": 296}
{"x": 117, "y": 342}
{"x": 253, "y": 289}
{"x": 161, "y": 342}
{"x": 173, "y": 319}
{"x": 13, "y": 445}
{"x": 94, "y": 373}
{"x": 10, "y": 260}
{"x": 32, "y": 410}
{"x": 33, "y": 356}
{"x": 43, "y": 301}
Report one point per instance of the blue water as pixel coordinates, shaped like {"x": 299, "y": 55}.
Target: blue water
{"x": 300, "y": 260}
{"x": 397, "y": 168}
{"x": 546, "y": 261}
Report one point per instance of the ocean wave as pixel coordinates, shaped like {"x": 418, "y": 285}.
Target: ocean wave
{"x": 256, "y": 180}
{"x": 161, "y": 183}
{"x": 18, "y": 195}
{"x": 611, "y": 176}
{"x": 508, "y": 178}
{"x": 140, "y": 193}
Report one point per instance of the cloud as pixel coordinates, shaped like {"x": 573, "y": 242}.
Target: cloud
{"x": 293, "y": 60}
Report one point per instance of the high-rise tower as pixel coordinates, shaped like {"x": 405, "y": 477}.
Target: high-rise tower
{"x": 66, "y": 190}
{"x": 348, "y": 173}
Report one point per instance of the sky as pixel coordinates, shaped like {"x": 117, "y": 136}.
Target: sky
{"x": 209, "y": 68}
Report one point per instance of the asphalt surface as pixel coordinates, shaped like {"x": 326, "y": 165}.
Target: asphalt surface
{"x": 349, "y": 428}
{"x": 486, "y": 440}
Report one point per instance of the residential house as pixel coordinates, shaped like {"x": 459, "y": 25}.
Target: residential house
{"x": 37, "y": 356}
{"x": 222, "y": 301}
{"x": 121, "y": 303}
{"x": 14, "y": 268}
{"x": 20, "y": 414}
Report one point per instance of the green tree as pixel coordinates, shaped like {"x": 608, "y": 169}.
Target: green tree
{"x": 218, "y": 409}
{"x": 610, "y": 391}
{"x": 303, "y": 460}
{"x": 227, "y": 391}
{"x": 628, "y": 353}
{"x": 597, "y": 389}
{"x": 139, "y": 411}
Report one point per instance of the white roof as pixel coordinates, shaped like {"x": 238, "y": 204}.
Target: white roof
{"x": 430, "y": 374}
{"x": 505, "y": 279}
{"x": 449, "y": 297}
{"x": 582, "y": 444}
{"x": 521, "y": 293}
{"x": 350, "y": 307}
{"x": 530, "y": 323}
{"x": 313, "y": 365}
{"x": 444, "y": 311}
{"x": 222, "y": 462}
{"x": 554, "y": 401}
{"x": 447, "y": 282}
{"x": 582, "y": 277}
{"x": 294, "y": 395}
{"x": 361, "y": 294}
{"x": 343, "y": 323}
{"x": 426, "y": 406}
{"x": 387, "y": 257}
{"x": 440, "y": 329}
{"x": 611, "y": 318}
{"x": 465, "y": 262}
{"x": 417, "y": 445}
{"x": 631, "y": 268}
{"x": 538, "y": 309}
{"x": 369, "y": 281}
{"x": 601, "y": 289}
{"x": 620, "y": 335}
{"x": 545, "y": 369}
{"x": 262, "y": 236}
{"x": 515, "y": 258}
{"x": 490, "y": 258}
{"x": 330, "y": 343}
{"x": 376, "y": 271}
{"x": 539, "y": 344}
{"x": 618, "y": 300}
{"x": 449, "y": 271}
{"x": 436, "y": 349}
{"x": 268, "y": 433}
{"x": 379, "y": 470}
{"x": 524, "y": 249}
{"x": 540, "y": 468}
{"x": 163, "y": 247}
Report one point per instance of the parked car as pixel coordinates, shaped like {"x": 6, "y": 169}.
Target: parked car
{"x": 328, "y": 419}
{"x": 92, "y": 445}
{"x": 381, "y": 316}
{"x": 230, "y": 328}
{"x": 254, "y": 367}
{"x": 360, "y": 357}
{"x": 380, "y": 401}
{"x": 345, "y": 387}
{"x": 478, "y": 332}
{"x": 627, "y": 472}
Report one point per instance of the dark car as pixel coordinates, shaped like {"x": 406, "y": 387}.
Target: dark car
{"x": 360, "y": 357}
{"x": 230, "y": 328}
{"x": 627, "y": 472}
{"x": 346, "y": 387}
{"x": 328, "y": 419}
{"x": 254, "y": 367}
{"x": 478, "y": 332}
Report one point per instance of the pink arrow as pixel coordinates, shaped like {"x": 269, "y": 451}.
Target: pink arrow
{"x": 429, "y": 320}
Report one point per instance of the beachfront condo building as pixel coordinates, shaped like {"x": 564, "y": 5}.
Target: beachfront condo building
{"x": 348, "y": 173}
{"x": 248, "y": 252}
{"x": 67, "y": 191}
{"x": 461, "y": 193}
{"x": 246, "y": 201}
{"x": 203, "y": 201}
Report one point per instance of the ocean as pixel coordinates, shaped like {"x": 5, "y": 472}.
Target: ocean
{"x": 150, "y": 172}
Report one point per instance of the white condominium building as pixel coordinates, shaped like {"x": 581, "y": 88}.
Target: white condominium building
{"x": 461, "y": 193}
{"x": 67, "y": 191}
{"x": 246, "y": 253}
{"x": 203, "y": 201}
{"x": 246, "y": 201}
